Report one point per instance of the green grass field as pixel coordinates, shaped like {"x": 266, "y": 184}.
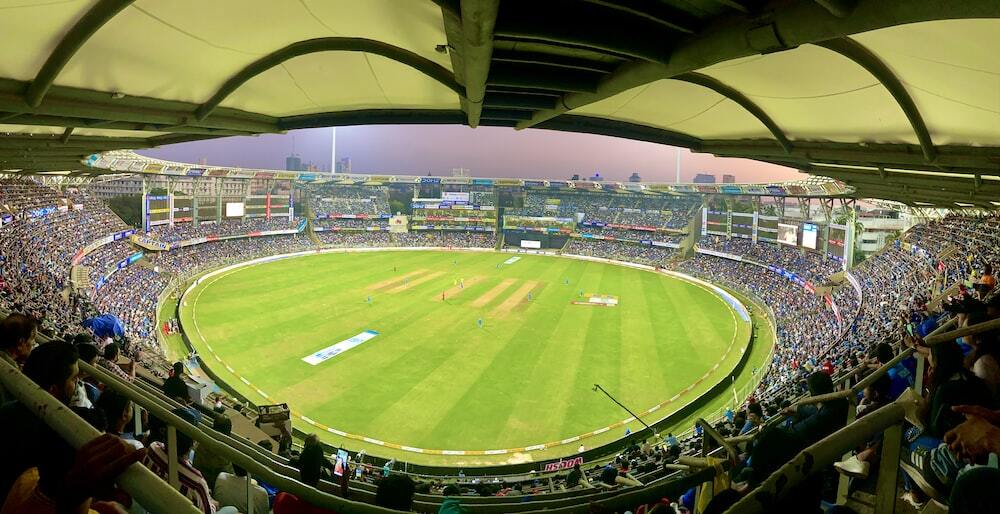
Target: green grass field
{"x": 433, "y": 379}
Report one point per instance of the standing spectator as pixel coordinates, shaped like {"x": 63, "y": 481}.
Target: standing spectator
{"x": 312, "y": 464}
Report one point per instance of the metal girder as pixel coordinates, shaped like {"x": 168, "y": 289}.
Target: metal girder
{"x": 330, "y": 44}
{"x": 555, "y": 61}
{"x": 87, "y": 26}
{"x": 506, "y": 114}
{"x": 856, "y": 52}
{"x": 732, "y": 4}
{"x": 516, "y": 101}
{"x": 985, "y": 160}
{"x": 838, "y": 8}
{"x": 65, "y": 136}
{"x": 741, "y": 99}
{"x": 539, "y": 76}
{"x": 95, "y": 106}
{"x": 892, "y": 179}
{"x": 654, "y": 11}
{"x": 605, "y": 127}
{"x": 478, "y": 19}
{"x": 374, "y": 117}
{"x": 578, "y": 24}
{"x": 63, "y": 121}
{"x": 912, "y": 194}
{"x": 783, "y": 28}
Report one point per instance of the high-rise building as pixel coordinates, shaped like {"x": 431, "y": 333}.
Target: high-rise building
{"x": 704, "y": 178}
{"x": 293, "y": 163}
{"x": 343, "y": 165}
{"x": 635, "y": 177}
{"x": 728, "y": 179}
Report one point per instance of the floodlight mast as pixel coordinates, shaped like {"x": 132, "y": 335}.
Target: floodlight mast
{"x": 597, "y": 387}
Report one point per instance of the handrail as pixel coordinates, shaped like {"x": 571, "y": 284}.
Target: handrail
{"x": 148, "y": 489}
{"x": 978, "y": 328}
{"x": 818, "y": 456}
{"x": 306, "y": 493}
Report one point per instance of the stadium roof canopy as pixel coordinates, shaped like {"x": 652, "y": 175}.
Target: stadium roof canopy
{"x": 900, "y": 98}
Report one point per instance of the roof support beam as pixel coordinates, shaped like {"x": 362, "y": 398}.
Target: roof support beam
{"x": 516, "y": 101}
{"x": 838, "y": 8}
{"x": 786, "y": 27}
{"x": 555, "y": 61}
{"x": 654, "y": 11}
{"x": 87, "y": 26}
{"x": 478, "y": 20}
{"x": 330, "y": 44}
{"x": 533, "y": 75}
{"x": 854, "y": 51}
{"x": 984, "y": 160}
{"x": 741, "y": 99}
{"x": 65, "y": 136}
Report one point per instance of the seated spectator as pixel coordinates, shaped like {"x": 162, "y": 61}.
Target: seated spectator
{"x": 174, "y": 386}
{"x": 451, "y": 504}
{"x": 395, "y": 492}
{"x": 118, "y": 411}
{"x": 208, "y": 462}
{"x": 231, "y": 489}
{"x": 88, "y": 384}
{"x": 192, "y": 483}
{"x": 109, "y": 361}
{"x": 17, "y": 337}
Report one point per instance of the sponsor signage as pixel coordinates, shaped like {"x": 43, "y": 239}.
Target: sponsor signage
{"x": 334, "y": 350}
{"x": 563, "y": 464}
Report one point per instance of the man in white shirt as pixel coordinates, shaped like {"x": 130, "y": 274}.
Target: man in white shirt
{"x": 231, "y": 489}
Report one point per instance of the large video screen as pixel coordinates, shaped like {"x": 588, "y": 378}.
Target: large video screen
{"x": 809, "y": 235}
{"x": 788, "y": 234}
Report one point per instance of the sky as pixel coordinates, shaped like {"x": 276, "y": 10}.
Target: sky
{"x": 484, "y": 151}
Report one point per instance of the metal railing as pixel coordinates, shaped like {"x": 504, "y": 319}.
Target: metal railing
{"x": 148, "y": 489}
{"x": 886, "y": 420}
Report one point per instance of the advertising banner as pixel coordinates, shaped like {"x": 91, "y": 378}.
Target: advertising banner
{"x": 334, "y": 350}
{"x": 149, "y": 243}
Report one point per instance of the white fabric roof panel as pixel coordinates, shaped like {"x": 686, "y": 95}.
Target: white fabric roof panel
{"x": 681, "y": 107}
{"x": 340, "y": 81}
{"x": 31, "y": 30}
{"x": 815, "y": 94}
{"x": 145, "y": 49}
{"x": 952, "y": 71}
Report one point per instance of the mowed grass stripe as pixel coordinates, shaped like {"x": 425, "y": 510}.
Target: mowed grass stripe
{"x": 415, "y": 282}
{"x": 490, "y": 295}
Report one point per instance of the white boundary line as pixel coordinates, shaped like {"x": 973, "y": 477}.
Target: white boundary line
{"x": 717, "y": 293}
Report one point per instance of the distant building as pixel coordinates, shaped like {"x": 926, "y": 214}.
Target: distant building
{"x": 597, "y": 177}
{"x": 728, "y": 179}
{"x": 293, "y": 163}
{"x": 343, "y": 165}
{"x": 704, "y": 178}
{"x": 635, "y": 177}
{"x": 576, "y": 176}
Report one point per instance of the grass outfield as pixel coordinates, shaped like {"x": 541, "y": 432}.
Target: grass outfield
{"x": 432, "y": 378}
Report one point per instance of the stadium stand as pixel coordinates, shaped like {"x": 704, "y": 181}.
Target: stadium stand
{"x": 826, "y": 372}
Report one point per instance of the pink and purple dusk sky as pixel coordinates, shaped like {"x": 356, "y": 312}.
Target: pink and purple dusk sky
{"x": 485, "y": 151}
